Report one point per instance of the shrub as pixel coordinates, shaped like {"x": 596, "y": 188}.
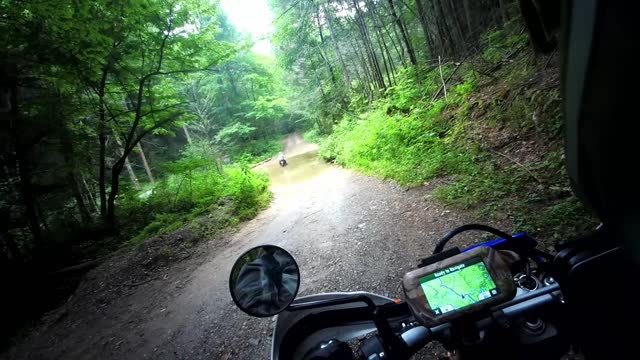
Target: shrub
{"x": 195, "y": 185}
{"x": 313, "y": 135}
{"x": 409, "y": 138}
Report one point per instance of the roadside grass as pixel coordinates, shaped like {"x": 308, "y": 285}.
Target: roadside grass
{"x": 313, "y": 135}
{"x": 500, "y": 142}
{"x": 223, "y": 198}
{"x": 198, "y": 191}
{"x": 205, "y": 190}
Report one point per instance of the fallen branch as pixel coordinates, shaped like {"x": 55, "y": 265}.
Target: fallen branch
{"x": 444, "y": 85}
{"x": 435, "y": 96}
{"x": 546, "y": 64}
{"x": 85, "y": 266}
{"x": 486, "y": 74}
{"x": 519, "y": 164}
{"x": 503, "y": 61}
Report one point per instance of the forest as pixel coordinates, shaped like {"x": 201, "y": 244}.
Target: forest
{"x": 124, "y": 120}
{"x": 464, "y": 94}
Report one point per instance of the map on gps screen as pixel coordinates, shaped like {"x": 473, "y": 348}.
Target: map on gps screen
{"x": 458, "y": 286}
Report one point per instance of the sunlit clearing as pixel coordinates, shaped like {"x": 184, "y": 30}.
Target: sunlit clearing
{"x": 253, "y": 17}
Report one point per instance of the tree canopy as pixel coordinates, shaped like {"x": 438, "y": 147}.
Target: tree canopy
{"x": 122, "y": 120}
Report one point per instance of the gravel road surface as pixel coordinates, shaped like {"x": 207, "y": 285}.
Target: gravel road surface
{"x": 347, "y": 231}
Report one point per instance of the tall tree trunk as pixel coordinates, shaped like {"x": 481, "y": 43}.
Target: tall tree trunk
{"x": 395, "y": 40}
{"x": 320, "y": 86}
{"x": 116, "y": 170}
{"x": 127, "y": 164}
{"x": 326, "y": 61}
{"x": 77, "y": 195}
{"x": 132, "y": 174}
{"x": 387, "y": 58}
{"x": 467, "y": 15}
{"x": 362, "y": 79}
{"x": 89, "y": 193}
{"x": 186, "y": 133}
{"x": 503, "y": 11}
{"x": 69, "y": 159}
{"x": 102, "y": 138}
{"x": 365, "y": 69}
{"x": 365, "y": 61}
{"x": 422, "y": 16}
{"x": 336, "y": 46}
{"x": 23, "y": 168}
{"x": 382, "y": 46}
{"x": 384, "y": 59}
{"x": 454, "y": 21}
{"x": 102, "y": 171}
{"x": 147, "y": 169}
{"x": 102, "y": 159}
{"x": 403, "y": 31}
{"x": 321, "y": 51}
{"x": 366, "y": 39}
{"x": 443, "y": 29}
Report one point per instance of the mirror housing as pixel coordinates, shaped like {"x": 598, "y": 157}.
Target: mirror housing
{"x": 264, "y": 281}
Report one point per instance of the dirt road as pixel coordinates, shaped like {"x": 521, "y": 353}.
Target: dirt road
{"x": 347, "y": 231}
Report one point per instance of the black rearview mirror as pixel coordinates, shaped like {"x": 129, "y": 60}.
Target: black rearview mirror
{"x": 264, "y": 281}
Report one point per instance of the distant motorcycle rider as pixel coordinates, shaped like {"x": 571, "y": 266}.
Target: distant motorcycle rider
{"x": 281, "y": 159}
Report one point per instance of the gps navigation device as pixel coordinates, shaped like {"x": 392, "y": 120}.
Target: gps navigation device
{"x": 463, "y": 284}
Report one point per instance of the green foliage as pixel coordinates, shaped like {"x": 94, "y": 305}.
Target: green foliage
{"x": 500, "y": 43}
{"x": 402, "y": 137}
{"x": 235, "y": 134}
{"x": 410, "y": 139}
{"x": 313, "y": 136}
{"x": 268, "y": 107}
{"x": 195, "y": 186}
{"x": 256, "y": 150}
{"x": 242, "y": 106}
{"x": 200, "y": 149}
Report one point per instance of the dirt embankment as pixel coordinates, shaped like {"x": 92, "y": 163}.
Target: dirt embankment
{"x": 347, "y": 231}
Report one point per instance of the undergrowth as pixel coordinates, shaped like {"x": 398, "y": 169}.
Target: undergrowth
{"x": 313, "y": 136}
{"x": 407, "y": 137}
{"x": 255, "y": 150}
{"x": 196, "y": 185}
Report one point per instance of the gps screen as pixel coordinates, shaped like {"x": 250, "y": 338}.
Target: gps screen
{"x": 458, "y": 286}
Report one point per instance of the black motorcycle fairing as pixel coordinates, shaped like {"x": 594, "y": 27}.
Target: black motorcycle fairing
{"x": 330, "y": 350}
{"x": 297, "y": 332}
{"x": 599, "y": 92}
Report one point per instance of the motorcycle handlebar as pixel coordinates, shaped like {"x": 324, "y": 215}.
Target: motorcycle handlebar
{"x": 417, "y": 337}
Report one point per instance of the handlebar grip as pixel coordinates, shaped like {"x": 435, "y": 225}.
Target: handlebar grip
{"x": 416, "y": 338}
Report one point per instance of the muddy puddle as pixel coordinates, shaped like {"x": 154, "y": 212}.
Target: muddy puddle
{"x": 301, "y": 168}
